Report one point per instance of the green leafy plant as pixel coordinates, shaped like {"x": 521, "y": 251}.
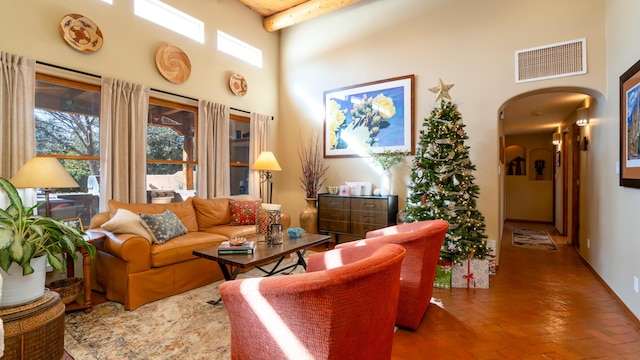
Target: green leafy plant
{"x": 24, "y": 235}
{"x": 387, "y": 158}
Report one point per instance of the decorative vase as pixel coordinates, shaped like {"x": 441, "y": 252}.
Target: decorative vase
{"x": 19, "y": 289}
{"x": 309, "y": 216}
{"x": 386, "y": 187}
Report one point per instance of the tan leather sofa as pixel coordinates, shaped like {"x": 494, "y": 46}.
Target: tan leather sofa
{"x": 130, "y": 269}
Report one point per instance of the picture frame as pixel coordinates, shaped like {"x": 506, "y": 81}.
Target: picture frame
{"x": 369, "y": 118}
{"x": 630, "y": 127}
{"x": 75, "y": 223}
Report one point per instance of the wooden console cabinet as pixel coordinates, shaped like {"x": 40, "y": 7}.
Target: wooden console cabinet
{"x": 355, "y": 215}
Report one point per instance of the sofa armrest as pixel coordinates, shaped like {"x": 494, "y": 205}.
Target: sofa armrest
{"x": 98, "y": 219}
{"x": 132, "y": 249}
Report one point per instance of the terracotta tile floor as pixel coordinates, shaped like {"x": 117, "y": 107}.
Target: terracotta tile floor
{"x": 540, "y": 305}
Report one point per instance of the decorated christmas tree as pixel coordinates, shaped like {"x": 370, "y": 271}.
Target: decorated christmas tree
{"x": 442, "y": 182}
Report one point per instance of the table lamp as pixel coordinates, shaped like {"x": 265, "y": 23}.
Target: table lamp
{"x": 266, "y": 163}
{"x": 46, "y": 173}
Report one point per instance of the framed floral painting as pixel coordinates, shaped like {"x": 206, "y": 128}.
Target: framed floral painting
{"x": 369, "y": 117}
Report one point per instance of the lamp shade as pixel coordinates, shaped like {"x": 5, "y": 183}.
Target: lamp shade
{"x": 556, "y": 138}
{"x": 267, "y": 162}
{"x": 43, "y": 172}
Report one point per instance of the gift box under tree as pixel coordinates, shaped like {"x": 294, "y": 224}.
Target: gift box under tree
{"x": 471, "y": 274}
{"x": 443, "y": 275}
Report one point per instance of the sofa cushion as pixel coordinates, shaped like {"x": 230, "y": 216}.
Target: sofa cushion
{"x": 164, "y": 227}
{"x": 211, "y": 212}
{"x": 184, "y": 210}
{"x": 244, "y": 212}
{"x": 126, "y": 222}
{"x": 230, "y": 231}
{"x": 181, "y": 248}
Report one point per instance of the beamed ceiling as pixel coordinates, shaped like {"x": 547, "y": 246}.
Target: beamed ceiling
{"x": 278, "y": 14}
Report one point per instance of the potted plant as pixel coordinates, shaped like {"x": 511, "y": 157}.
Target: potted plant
{"x": 27, "y": 239}
{"x": 313, "y": 172}
{"x": 386, "y": 160}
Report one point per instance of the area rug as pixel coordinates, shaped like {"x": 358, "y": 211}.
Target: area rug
{"x": 533, "y": 239}
{"x": 183, "y": 326}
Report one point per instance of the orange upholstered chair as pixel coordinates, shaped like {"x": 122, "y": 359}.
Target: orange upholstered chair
{"x": 423, "y": 240}
{"x": 346, "y": 312}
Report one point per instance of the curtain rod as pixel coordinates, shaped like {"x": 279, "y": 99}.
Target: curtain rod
{"x": 245, "y": 111}
{"x": 160, "y": 91}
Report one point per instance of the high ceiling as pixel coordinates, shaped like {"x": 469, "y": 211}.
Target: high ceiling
{"x": 278, "y": 14}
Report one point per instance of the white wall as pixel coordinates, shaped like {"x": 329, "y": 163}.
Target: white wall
{"x": 612, "y": 214}
{"x": 468, "y": 43}
{"x": 30, "y": 28}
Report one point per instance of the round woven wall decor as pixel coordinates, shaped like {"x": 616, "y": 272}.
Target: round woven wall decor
{"x": 238, "y": 84}
{"x": 81, "y": 33}
{"x": 173, "y": 63}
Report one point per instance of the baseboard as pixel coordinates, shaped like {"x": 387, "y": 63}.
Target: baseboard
{"x": 609, "y": 290}
{"x": 529, "y": 221}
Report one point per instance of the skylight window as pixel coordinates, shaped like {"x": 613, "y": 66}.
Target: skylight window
{"x": 171, "y": 18}
{"x": 240, "y": 49}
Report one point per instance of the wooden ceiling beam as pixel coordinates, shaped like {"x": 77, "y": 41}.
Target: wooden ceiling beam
{"x": 302, "y": 12}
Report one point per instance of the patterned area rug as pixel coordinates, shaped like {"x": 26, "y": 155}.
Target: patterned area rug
{"x": 533, "y": 239}
{"x": 183, "y": 326}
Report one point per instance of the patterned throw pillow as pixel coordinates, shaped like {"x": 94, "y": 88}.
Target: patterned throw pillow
{"x": 244, "y": 212}
{"x": 163, "y": 226}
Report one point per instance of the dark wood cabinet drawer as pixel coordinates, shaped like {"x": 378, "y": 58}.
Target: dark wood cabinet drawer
{"x": 355, "y": 215}
{"x": 369, "y": 204}
{"x": 330, "y": 214}
{"x": 369, "y": 217}
{"x": 362, "y": 229}
{"x": 334, "y": 226}
{"x": 334, "y": 203}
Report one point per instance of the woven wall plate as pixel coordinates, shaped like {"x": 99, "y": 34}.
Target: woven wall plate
{"x": 238, "y": 84}
{"x": 81, "y": 33}
{"x": 173, "y": 63}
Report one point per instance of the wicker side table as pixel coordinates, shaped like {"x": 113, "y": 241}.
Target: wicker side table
{"x": 34, "y": 330}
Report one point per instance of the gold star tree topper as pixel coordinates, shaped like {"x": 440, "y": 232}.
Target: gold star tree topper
{"x": 442, "y": 90}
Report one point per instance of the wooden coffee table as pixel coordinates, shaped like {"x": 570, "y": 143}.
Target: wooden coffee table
{"x": 231, "y": 264}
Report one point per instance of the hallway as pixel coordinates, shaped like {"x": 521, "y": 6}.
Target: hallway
{"x": 540, "y": 305}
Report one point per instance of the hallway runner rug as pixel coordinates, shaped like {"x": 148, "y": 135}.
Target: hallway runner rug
{"x": 533, "y": 239}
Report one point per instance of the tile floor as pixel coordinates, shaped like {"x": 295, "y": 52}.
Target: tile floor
{"x": 541, "y": 305}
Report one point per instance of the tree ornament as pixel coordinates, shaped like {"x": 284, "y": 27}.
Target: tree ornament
{"x": 441, "y": 91}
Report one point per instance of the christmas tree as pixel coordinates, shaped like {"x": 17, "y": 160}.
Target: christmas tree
{"x": 442, "y": 182}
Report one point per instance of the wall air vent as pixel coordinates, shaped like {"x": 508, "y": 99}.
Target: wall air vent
{"x": 552, "y": 61}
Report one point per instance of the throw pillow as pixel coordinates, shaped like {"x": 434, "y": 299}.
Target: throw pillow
{"x": 126, "y": 222}
{"x": 244, "y": 212}
{"x": 184, "y": 210}
{"x": 164, "y": 226}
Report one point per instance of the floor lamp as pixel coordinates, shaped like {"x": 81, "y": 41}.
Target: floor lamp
{"x": 266, "y": 163}
{"x": 46, "y": 173}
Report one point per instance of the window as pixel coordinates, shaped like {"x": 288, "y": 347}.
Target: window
{"x": 170, "y": 18}
{"x": 237, "y": 48}
{"x": 171, "y": 145}
{"x": 239, "y": 154}
{"x": 67, "y": 119}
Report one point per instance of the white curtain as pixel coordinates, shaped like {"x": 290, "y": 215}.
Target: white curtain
{"x": 260, "y": 125}
{"x": 17, "y": 101}
{"x": 124, "y": 110}
{"x": 213, "y": 178}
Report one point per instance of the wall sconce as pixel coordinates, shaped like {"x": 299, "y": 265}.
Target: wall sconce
{"x": 556, "y": 138}
{"x": 582, "y": 117}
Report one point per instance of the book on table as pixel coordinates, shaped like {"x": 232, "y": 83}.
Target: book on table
{"x": 226, "y": 248}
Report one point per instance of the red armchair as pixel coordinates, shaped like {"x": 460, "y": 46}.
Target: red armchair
{"x": 346, "y": 312}
{"x": 422, "y": 240}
